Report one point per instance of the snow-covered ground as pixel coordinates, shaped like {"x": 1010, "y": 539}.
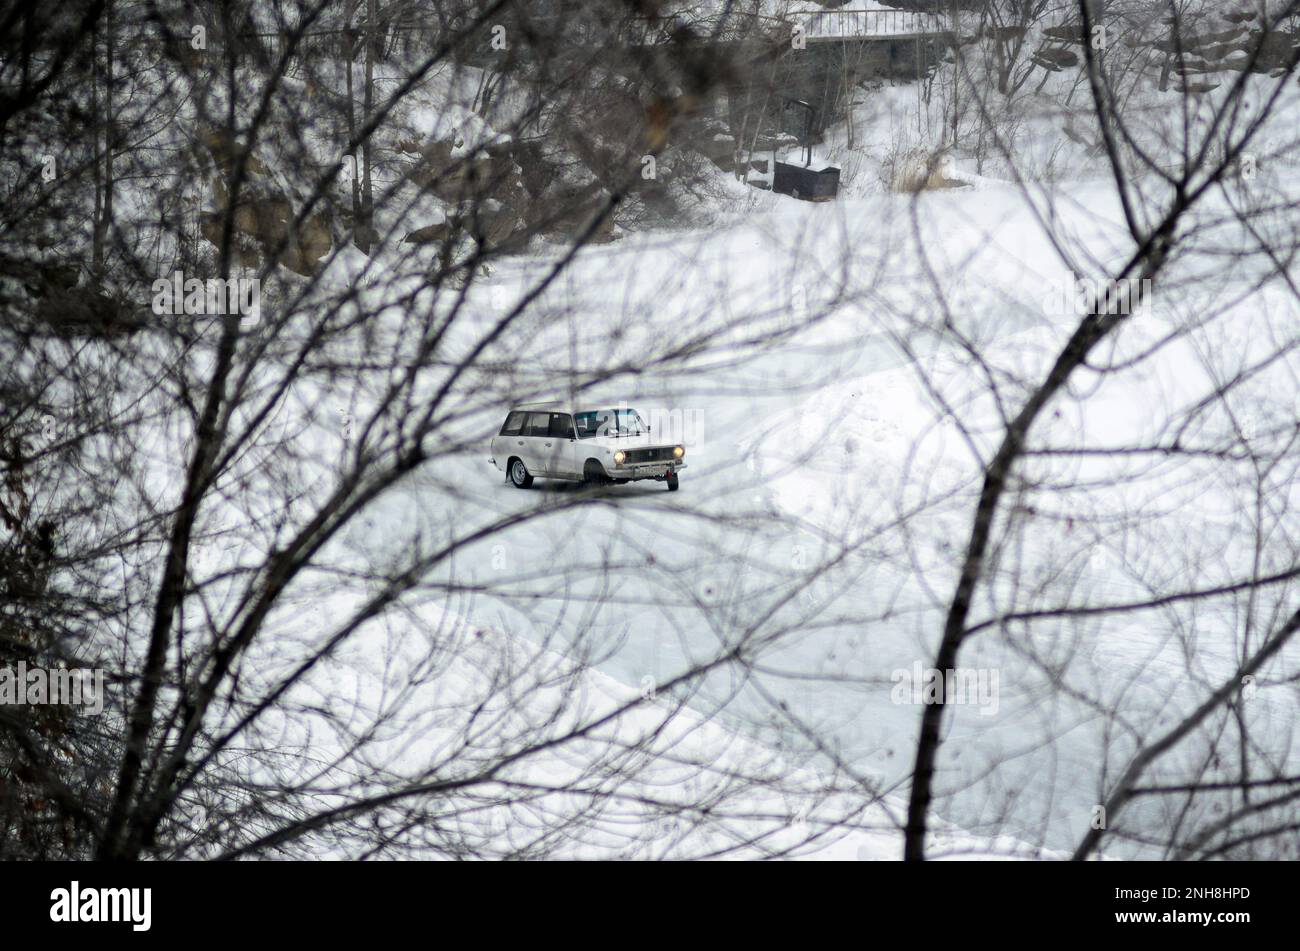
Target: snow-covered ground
{"x": 825, "y": 449}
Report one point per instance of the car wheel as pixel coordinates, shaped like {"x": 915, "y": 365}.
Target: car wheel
{"x": 593, "y": 473}
{"x": 672, "y": 482}
{"x": 520, "y": 478}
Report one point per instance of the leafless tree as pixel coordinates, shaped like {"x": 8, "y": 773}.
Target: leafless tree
{"x": 1078, "y": 529}
{"x": 256, "y": 522}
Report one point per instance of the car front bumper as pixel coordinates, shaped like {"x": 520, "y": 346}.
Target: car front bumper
{"x": 646, "y": 470}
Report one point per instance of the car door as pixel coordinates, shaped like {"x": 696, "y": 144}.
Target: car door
{"x": 561, "y": 447}
{"x": 533, "y": 448}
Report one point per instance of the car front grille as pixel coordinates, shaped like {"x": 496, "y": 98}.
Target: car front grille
{"x": 637, "y": 456}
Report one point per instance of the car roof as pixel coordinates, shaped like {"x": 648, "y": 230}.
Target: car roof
{"x": 597, "y": 407}
{"x": 561, "y": 405}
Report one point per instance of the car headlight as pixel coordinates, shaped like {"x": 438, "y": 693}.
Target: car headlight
{"x": 679, "y": 451}
{"x": 619, "y": 457}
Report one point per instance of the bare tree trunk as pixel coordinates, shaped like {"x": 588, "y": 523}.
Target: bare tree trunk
{"x": 105, "y": 223}
{"x": 352, "y": 126}
{"x": 365, "y": 229}
{"x": 96, "y": 223}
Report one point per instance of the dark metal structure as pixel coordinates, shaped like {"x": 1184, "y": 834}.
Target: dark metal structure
{"x": 804, "y": 181}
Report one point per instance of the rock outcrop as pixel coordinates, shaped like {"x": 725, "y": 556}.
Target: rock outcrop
{"x": 263, "y": 219}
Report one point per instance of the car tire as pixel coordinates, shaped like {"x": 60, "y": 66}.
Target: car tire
{"x": 520, "y": 477}
{"x": 672, "y": 482}
{"x": 593, "y": 473}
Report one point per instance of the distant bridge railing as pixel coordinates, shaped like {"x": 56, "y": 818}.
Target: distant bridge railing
{"x": 846, "y": 24}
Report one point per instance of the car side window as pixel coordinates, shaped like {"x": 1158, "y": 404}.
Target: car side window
{"x": 561, "y": 426}
{"x": 513, "y": 424}
{"x": 539, "y": 424}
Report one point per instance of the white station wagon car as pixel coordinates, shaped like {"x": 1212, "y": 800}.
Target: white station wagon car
{"x": 557, "y": 441}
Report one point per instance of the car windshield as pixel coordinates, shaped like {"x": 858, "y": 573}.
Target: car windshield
{"x": 610, "y": 422}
